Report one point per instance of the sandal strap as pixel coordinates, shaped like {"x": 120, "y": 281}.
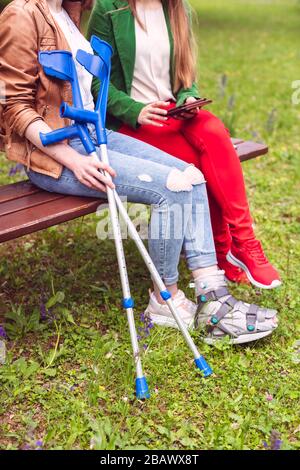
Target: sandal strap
{"x": 225, "y": 308}
{"x": 212, "y": 295}
{"x": 251, "y": 317}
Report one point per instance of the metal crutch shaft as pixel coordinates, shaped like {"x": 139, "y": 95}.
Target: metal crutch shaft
{"x": 142, "y": 390}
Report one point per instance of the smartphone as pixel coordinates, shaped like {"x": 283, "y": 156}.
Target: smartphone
{"x": 188, "y": 107}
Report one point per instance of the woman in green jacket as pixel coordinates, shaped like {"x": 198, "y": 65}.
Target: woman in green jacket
{"x": 153, "y": 69}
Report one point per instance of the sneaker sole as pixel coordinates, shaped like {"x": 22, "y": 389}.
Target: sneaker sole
{"x": 160, "y": 320}
{"x": 236, "y": 262}
{"x": 248, "y": 338}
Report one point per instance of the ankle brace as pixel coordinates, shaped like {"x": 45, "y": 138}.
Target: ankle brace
{"x": 210, "y": 282}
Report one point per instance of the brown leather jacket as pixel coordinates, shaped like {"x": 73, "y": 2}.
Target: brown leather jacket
{"x": 26, "y": 27}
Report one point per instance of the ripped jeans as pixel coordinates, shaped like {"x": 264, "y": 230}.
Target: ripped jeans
{"x": 175, "y": 190}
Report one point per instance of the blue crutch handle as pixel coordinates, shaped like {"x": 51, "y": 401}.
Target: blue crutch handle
{"x": 78, "y": 115}
{"x": 53, "y": 137}
{"x": 67, "y": 133}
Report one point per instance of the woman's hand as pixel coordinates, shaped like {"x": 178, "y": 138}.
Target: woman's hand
{"x": 189, "y": 114}
{"x": 86, "y": 169}
{"x": 152, "y": 113}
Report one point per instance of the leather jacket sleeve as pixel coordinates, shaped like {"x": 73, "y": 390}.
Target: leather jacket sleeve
{"x": 18, "y": 68}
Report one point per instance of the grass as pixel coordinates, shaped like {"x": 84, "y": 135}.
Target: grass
{"x": 68, "y": 381}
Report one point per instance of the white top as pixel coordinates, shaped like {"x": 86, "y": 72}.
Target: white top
{"x": 151, "y": 77}
{"x": 77, "y": 41}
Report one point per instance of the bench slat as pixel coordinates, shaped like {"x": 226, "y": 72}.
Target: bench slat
{"x": 10, "y": 192}
{"x": 248, "y": 150}
{"x": 27, "y": 202}
{"x": 46, "y": 215}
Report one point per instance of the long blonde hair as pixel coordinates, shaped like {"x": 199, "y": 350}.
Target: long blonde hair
{"x": 184, "y": 56}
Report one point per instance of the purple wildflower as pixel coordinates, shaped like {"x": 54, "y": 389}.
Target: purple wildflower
{"x": 39, "y": 444}
{"x": 142, "y": 317}
{"x": 43, "y": 311}
{"x": 3, "y": 333}
{"x": 73, "y": 387}
{"x": 275, "y": 441}
{"x": 144, "y": 330}
{"x": 46, "y": 313}
{"x": 277, "y": 444}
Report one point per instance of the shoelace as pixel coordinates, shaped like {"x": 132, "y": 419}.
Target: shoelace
{"x": 254, "y": 249}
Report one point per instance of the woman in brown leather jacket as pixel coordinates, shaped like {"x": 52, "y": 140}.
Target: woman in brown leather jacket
{"x": 180, "y": 214}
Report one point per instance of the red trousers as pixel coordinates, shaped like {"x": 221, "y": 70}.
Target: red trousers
{"x": 205, "y": 142}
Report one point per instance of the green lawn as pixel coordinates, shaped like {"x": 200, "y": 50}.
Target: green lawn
{"x": 69, "y": 382}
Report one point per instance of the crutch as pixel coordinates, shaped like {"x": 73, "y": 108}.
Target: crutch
{"x": 60, "y": 65}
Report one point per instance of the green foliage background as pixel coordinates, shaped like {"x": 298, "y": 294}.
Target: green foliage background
{"x": 69, "y": 381}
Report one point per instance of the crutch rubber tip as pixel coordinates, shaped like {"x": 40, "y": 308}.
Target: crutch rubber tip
{"x": 141, "y": 387}
{"x": 203, "y": 366}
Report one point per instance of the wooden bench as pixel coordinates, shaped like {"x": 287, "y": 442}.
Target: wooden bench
{"x": 25, "y": 209}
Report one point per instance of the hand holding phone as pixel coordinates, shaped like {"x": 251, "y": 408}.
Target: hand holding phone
{"x": 180, "y": 111}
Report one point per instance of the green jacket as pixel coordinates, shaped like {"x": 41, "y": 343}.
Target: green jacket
{"x": 114, "y": 24}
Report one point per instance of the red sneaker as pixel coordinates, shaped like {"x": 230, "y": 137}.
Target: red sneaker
{"x": 232, "y": 273}
{"x": 249, "y": 256}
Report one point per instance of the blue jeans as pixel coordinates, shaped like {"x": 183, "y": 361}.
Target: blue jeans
{"x": 180, "y": 213}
